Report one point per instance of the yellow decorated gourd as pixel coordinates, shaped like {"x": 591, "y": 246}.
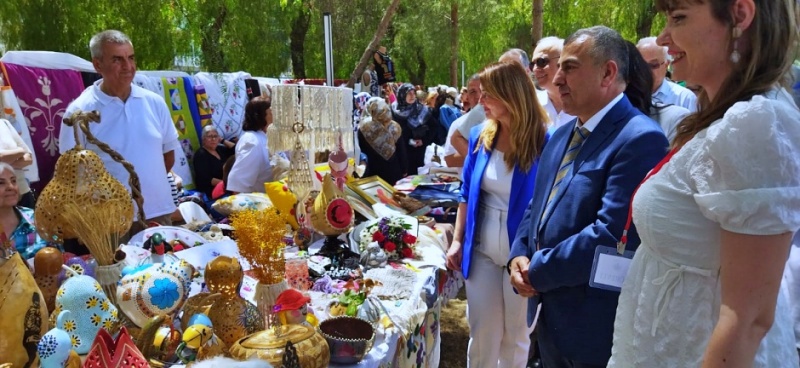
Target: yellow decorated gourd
{"x": 332, "y": 214}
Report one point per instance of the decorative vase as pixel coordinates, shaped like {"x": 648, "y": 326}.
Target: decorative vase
{"x": 265, "y": 297}
{"x": 47, "y": 267}
{"x": 24, "y": 313}
{"x": 108, "y": 277}
{"x": 233, "y": 316}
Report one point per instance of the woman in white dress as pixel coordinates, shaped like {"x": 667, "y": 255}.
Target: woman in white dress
{"x": 717, "y": 219}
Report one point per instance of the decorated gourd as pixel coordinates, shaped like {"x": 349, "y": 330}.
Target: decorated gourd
{"x": 198, "y": 340}
{"x": 233, "y": 316}
{"x": 332, "y": 213}
{"x": 23, "y": 311}
{"x": 153, "y": 290}
{"x": 82, "y": 191}
{"x": 56, "y": 344}
{"x": 47, "y": 267}
{"x": 91, "y": 310}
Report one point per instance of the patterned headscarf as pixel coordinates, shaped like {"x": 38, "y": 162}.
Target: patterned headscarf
{"x": 414, "y": 113}
{"x": 378, "y": 128}
{"x": 360, "y": 105}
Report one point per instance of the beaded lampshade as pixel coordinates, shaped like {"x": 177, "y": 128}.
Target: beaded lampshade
{"x": 324, "y": 112}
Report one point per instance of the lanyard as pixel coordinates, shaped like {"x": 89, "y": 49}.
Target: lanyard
{"x": 624, "y": 239}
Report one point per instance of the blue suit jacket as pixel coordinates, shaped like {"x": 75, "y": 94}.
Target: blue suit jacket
{"x": 590, "y": 209}
{"x": 521, "y": 193}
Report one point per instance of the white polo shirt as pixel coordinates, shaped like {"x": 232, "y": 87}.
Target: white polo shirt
{"x": 141, "y": 130}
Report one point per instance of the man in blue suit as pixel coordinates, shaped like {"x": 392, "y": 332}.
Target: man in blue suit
{"x": 587, "y": 174}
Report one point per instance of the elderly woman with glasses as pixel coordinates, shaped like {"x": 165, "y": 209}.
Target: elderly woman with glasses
{"x": 17, "y": 231}
{"x": 209, "y": 159}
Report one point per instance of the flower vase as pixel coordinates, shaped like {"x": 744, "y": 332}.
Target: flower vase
{"x": 265, "y": 297}
{"x": 108, "y": 277}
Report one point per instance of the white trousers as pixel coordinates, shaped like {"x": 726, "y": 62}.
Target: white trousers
{"x": 499, "y": 332}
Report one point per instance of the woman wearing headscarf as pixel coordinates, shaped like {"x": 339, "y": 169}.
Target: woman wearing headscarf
{"x": 414, "y": 119}
{"x": 380, "y": 139}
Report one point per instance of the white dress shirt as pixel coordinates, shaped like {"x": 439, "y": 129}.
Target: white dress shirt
{"x": 673, "y": 94}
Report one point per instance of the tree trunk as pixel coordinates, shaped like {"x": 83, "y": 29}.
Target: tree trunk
{"x": 373, "y": 45}
{"x": 297, "y": 41}
{"x": 214, "y": 57}
{"x": 645, "y": 23}
{"x": 537, "y": 22}
{"x": 454, "y": 43}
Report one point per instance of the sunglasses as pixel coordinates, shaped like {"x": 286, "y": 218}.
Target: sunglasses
{"x": 542, "y": 61}
{"x": 656, "y": 65}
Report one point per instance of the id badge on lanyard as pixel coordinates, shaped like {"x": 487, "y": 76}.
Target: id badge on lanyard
{"x": 611, "y": 264}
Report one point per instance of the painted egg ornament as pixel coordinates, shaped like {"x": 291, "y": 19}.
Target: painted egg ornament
{"x": 152, "y": 291}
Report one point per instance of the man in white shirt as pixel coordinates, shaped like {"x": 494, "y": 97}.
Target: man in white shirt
{"x": 133, "y": 121}
{"x": 664, "y": 91}
{"x": 454, "y": 150}
{"x": 545, "y": 65}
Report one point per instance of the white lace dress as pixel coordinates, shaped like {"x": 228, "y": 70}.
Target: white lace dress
{"x": 742, "y": 174}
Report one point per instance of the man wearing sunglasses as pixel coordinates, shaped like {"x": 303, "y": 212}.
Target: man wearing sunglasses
{"x": 544, "y": 66}
{"x": 664, "y": 91}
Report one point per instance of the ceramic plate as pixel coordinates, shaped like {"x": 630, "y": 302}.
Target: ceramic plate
{"x": 170, "y": 233}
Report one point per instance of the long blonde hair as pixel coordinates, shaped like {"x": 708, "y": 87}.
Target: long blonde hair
{"x": 764, "y": 62}
{"x": 510, "y": 83}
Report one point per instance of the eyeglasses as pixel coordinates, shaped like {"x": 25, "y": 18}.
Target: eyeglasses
{"x": 656, "y": 65}
{"x": 210, "y": 136}
{"x": 543, "y": 61}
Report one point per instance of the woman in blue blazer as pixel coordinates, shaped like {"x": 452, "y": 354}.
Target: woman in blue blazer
{"x": 499, "y": 173}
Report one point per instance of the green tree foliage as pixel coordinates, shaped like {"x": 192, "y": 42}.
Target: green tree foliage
{"x": 257, "y": 36}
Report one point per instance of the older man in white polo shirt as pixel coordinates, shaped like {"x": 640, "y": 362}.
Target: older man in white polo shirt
{"x": 133, "y": 121}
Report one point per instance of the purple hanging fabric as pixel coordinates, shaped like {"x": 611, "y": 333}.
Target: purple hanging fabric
{"x": 43, "y": 95}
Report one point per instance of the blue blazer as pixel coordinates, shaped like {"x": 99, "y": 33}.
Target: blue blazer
{"x": 521, "y": 192}
{"x": 590, "y": 209}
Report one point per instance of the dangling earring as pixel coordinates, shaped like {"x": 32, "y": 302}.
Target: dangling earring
{"x": 735, "y": 56}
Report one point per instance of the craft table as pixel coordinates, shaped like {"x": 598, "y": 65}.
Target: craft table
{"x": 415, "y": 341}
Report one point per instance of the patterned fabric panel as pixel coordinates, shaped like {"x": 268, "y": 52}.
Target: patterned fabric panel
{"x": 43, "y": 96}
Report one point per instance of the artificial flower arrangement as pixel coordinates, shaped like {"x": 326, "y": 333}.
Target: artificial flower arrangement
{"x": 392, "y": 236}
